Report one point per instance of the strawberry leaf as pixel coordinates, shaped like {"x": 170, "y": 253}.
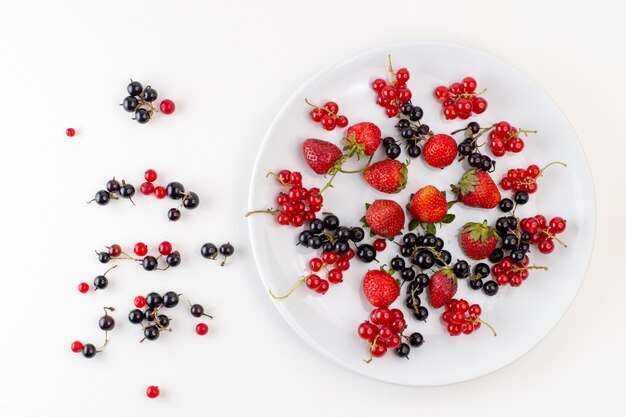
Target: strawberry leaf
{"x": 413, "y": 224}
{"x": 430, "y": 228}
{"x": 448, "y": 219}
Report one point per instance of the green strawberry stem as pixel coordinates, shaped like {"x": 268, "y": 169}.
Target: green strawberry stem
{"x": 477, "y": 320}
{"x": 355, "y": 171}
{"x": 273, "y": 212}
{"x": 372, "y": 347}
{"x": 282, "y": 297}
{"x": 306, "y": 100}
{"x": 352, "y": 150}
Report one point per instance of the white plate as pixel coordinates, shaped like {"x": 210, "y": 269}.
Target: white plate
{"x": 522, "y": 316}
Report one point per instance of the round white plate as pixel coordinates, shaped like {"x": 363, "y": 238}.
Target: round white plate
{"x": 522, "y": 316}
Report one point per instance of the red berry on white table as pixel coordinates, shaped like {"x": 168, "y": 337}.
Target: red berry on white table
{"x": 380, "y": 245}
{"x": 160, "y": 192}
{"x": 83, "y": 287}
{"x": 140, "y": 249}
{"x": 328, "y": 122}
{"x": 202, "y": 329}
{"x": 140, "y": 301}
{"x": 152, "y": 391}
{"x": 70, "y": 132}
{"x": 378, "y": 84}
{"x": 150, "y": 175}
{"x": 146, "y": 188}
{"x": 167, "y": 106}
{"x": 76, "y": 347}
{"x": 165, "y": 248}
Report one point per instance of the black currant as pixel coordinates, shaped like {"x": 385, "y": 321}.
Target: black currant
{"x": 331, "y": 222}
{"x": 366, "y": 252}
{"x": 130, "y": 103}
{"x": 416, "y": 339}
{"x": 497, "y": 255}
{"x": 512, "y": 222}
{"x": 106, "y": 323}
{"x": 227, "y": 249}
{"x": 100, "y": 282}
{"x": 473, "y": 127}
{"x": 421, "y": 313}
{"x": 150, "y": 94}
{"x": 191, "y": 201}
{"x": 343, "y": 233}
{"x": 476, "y": 284}
{"x": 524, "y": 237}
{"x": 151, "y": 332}
{"x": 149, "y": 314}
{"x": 209, "y": 250}
{"x": 154, "y": 300}
{"x": 414, "y": 151}
{"x": 517, "y": 255}
{"x": 409, "y": 301}
{"x": 357, "y": 234}
{"x": 136, "y": 316}
{"x": 524, "y": 247}
{"x": 486, "y": 164}
{"x": 328, "y": 247}
{"x": 163, "y": 320}
{"x": 406, "y": 109}
{"x": 303, "y": 239}
{"x": 439, "y": 244}
{"x": 127, "y": 191}
{"x": 134, "y": 88}
{"x": 506, "y": 205}
{"x": 388, "y": 141}
{"x": 429, "y": 240}
{"x": 403, "y": 350}
{"x": 316, "y": 226}
{"x": 423, "y": 129}
{"x": 406, "y": 251}
{"x": 490, "y": 288}
{"x": 104, "y": 257}
{"x": 416, "y": 114}
{"x": 89, "y": 351}
{"x": 397, "y": 263}
{"x": 315, "y": 242}
{"x": 142, "y": 116}
{"x": 341, "y": 247}
{"x": 410, "y": 239}
{"x": 113, "y": 185}
{"x": 425, "y": 259}
{"x": 422, "y": 279}
{"x": 461, "y": 269}
{"x": 509, "y": 241}
{"x": 403, "y": 124}
{"x": 475, "y": 160}
{"x": 170, "y": 299}
{"x": 407, "y": 133}
{"x": 446, "y": 258}
{"x": 482, "y": 270}
{"x": 393, "y": 151}
{"x": 149, "y": 263}
{"x": 175, "y": 190}
{"x": 521, "y": 197}
{"x": 197, "y": 310}
{"x": 173, "y": 214}
{"x": 407, "y": 274}
{"x": 465, "y": 148}
{"x": 502, "y": 225}
{"x": 102, "y": 197}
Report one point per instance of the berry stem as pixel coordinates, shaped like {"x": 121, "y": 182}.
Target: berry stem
{"x": 477, "y": 320}
{"x": 300, "y": 281}
{"x": 392, "y": 75}
{"x": 182, "y": 201}
{"x": 273, "y": 174}
{"x": 273, "y": 212}
{"x": 363, "y": 168}
{"x": 372, "y": 347}
{"x": 546, "y": 232}
{"x": 306, "y": 100}
{"x": 468, "y": 95}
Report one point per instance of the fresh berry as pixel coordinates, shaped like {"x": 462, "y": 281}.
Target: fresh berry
{"x": 428, "y": 205}
{"x": 152, "y": 391}
{"x": 385, "y": 218}
{"x": 440, "y": 151}
{"x": 167, "y": 106}
{"x": 477, "y": 189}
{"x": 366, "y": 134}
{"x": 478, "y": 240}
{"x": 380, "y": 288}
{"x": 442, "y": 287}
{"x": 320, "y": 155}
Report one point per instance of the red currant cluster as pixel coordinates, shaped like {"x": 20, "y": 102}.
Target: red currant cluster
{"x": 394, "y": 94}
{"x": 543, "y": 233}
{"x": 521, "y": 179}
{"x": 297, "y": 204}
{"x": 461, "y": 317}
{"x": 106, "y": 323}
{"x": 383, "y": 331}
{"x": 328, "y": 115}
{"x": 148, "y": 187}
{"x": 151, "y": 320}
{"x": 514, "y": 273}
{"x": 506, "y": 138}
{"x": 460, "y": 99}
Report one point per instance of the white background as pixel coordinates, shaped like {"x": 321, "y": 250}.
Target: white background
{"x": 229, "y": 67}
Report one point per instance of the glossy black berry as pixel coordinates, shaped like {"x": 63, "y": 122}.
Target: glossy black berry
{"x": 173, "y": 259}
{"x": 416, "y": 114}
{"x": 410, "y": 239}
{"x": 163, "y": 320}
{"x": 150, "y": 94}
{"x": 316, "y": 226}
{"x": 521, "y": 197}
{"x": 175, "y": 190}
{"x": 497, "y": 255}
{"x": 407, "y": 133}
{"x": 227, "y": 249}
{"x": 512, "y": 222}
{"x": 393, "y": 151}
{"x": 509, "y": 241}
{"x": 475, "y": 160}
{"x": 315, "y": 242}
{"x": 142, "y": 116}
{"x": 149, "y": 314}
{"x": 473, "y": 127}
{"x": 476, "y": 284}
{"x": 439, "y": 244}
{"x": 191, "y": 201}
{"x": 104, "y": 257}
{"x": 151, "y": 332}
{"x": 407, "y": 274}
{"x": 197, "y": 310}
{"x": 524, "y": 237}
{"x": 89, "y": 351}
{"x": 414, "y": 287}
{"x": 502, "y": 225}
{"x": 416, "y": 339}
{"x": 506, "y": 205}
{"x": 134, "y": 88}
{"x": 170, "y": 299}
{"x": 209, "y": 250}
{"x": 154, "y": 300}
{"x": 173, "y": 214}
{"x": 482, "y": 270}
{"x": 517, "y": 255}
{"x": 403, "y": 124}
{"x": 102, "y": 198}
{"x": 127, "y": 191}
{"x": 410, "y": 301}
{"x": 487, "y": 164}
{"x": 423, "y": 129}
{"x": 113, "y": 185}
{"x": 388, "y": 141}
{"x": 524, "y": 247}
{"x": 423, "y": 280}
{"x": 357, "y": 234}
{"x": 461, "y": 269}
{"x": 341, "y": 247}
{"x": 106, "y": 323}
{"x": 421, "y": 313}
{"x": 414, "y": 151}
{"x": 135, "y": 316}
{"x": 100, "y": 282}
{"x": 343, "y": 233}
{"x": 446, "y": 258}
{"x": 429, "y": 240}
{"x": 397, "y": 263}
{"x": 331, "y": 222}
{"x": 425, "y": 259}
{"x": 130, "y": 103}
{"x": 149, "y": 263}
{"x": 366, "y": 253}
{"x": 303, "y": 239}
{"x": 406, "y": 109}
{"x": 465, "y": 148}
{"x": 328, "y": 247}
{"x": 403, "y": 350}
{"x": 490, "y": 288}
{"x": 406, "y": 251}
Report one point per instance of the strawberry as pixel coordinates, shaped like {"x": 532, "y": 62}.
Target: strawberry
{"x": 380, "y": 288}
{"x": 442, "y": 287}
{"x": 440, "y": 151}
{"x": 428, "y": 205}
{"x": 477, "y": 189}
{"x": 320, "y": 155}
{"x": 366, "y": 134}
{"x": 388, "y": 176}
{"x": 478, "y": 240}
{"x": 385, "y": 218}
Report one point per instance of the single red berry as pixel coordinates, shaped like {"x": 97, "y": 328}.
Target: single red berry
{"x": 140, "y": 301}
{"x": 115, "y": 250}
{"x": 328, "y": 122}
{"x": 385, "y": 332}
{"x": 557, "y": 225}
{"x": 315, "y": 264}
{"x": 450, "y": 112}
{"x": 315, "y": 199}
{"x": 313, "y": 281}
{"x": 463, "y": 306}
{"x": 342, "y": 121}
{"x": 146, "y": 188}
{"x": 403, "y": 75}
{"x": 454, "y": 329}
{"x": 165, "y": 248}
{"x": 391, "y": 110}
{"x": 441, "y": 93}
{"x": 296, "y": 178}
{"x": 70, "y": 132}
{"x": 475, "y": 310}
{"x": 506, "y": 183}
{"x": 140, "y": 249}
{"x": 335, "y": 276}
{"x": 283, "y": 219}
{"x": 284, "y": 176}
{"x": 380, "y": 245}
{"x": 546, "y": 246}
{"x": 323, "y": 287}
{"x": 389, "y": 92}
{"x": 77, "y": 347}
{"x": 83, "y": 287}
{"x": 329, "y": 257}
{"x": 503, "y": 128}
{"x": 469, "y": 84}
{"x": 456, "y": 88}
{"x": 342, "y": 264}
{"x": 167, "y": 106}
{"x": 152, "y": 391}
{"x": 202, "y": 329}
{"x": 502, "y": 279}
{"x": 404, "y": 95}
{"x": 533, "y": 171}
{"x": 332, "y": 107}
{"x": 317, "y": 114}
{"x": 350, "y": 254}
{"x": 297, "y": 220}
{"x": 464, "y": 106}
{"x": 398, "y": 325}
{"x": 382, "y": 101}
{"x": 396, "y": 313}
{"x": 150, "y": 175}
{"x": 381, "y": 315}
{"x": 308, "y": 215}
{"x": 367, "y": 330}
{"x": 467, "y": 327}
{"x": 378, "y": 84}
{"x": 160, "y": 192}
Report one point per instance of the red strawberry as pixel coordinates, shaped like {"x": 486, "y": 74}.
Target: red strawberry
{"x": 428, "y": 205}
{"x": 385, "y": 218}
{"x": 380, "y": 288}
{"x": 442, "y": 287}
{"x": 388, "y": 176}
{"x": 478, "y": 240}
{"x": 440, "y": 151}
{"x": 477, "y": 189}
{"x": 320, "y": 155}
{"x": 366, "y": 134}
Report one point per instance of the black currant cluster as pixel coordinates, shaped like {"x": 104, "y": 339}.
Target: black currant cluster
{"x": 425, "y": 251}
{"x": 106, "y": 323}
{"x": 479, "y": 274}
{"x": 210, "y": 251}
{"x": 469, "y": 149}
{"x": 411, "y": 133}
{"x": 330, "y": 236}
{"x": 139, "y": 101}
{"x": 189, "y": 200}
{"x": 114, "y": 190}
{"x": 520, "y": 197}
{"x": 514, "y": 241}
{"x": 152, "y": 322}
{"x": 417, "y": 284}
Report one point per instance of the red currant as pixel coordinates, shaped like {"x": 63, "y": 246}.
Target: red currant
{"x": 342, "y": 264}
{"x": 378, "y": 84}
{"x": 284, "y": 176}
{"x": 328, "y": 122}
{"x": 394, "y": 341}
{"x": 342, "y": 121}
{"x": 315, "y": 264}
{"x": 404, "y": 95}
{"x": 367, "y": 330}
{"x": 391, "y": 110}
{"x": 396, "y": 313}
{"x": 165, "y": 248}
{"x": 389, "y": 92}
{"x": 464, "y": 106}
{"x": 475, "y": 310}
{"x": 70, "y": 132}
{"x": 398, "y": 325}
{"x": 202, "y": 329}
{"x": 385, "y": 332}
{"x": 152, "y": 391}
{"x": 456, "y": 88}
{"x": 403, "y": 75}
{"x": 115, "y": 250}
{"x": 317, "y": 114}
{"x": 557, "y": 225}
{"x": 297, "y": 220}
{"x": 146, "y": 188}
{"x": 140, "y": 249}
{"x": 323, "y": 287}
{"x": 441, "y": 93}
{"x": 160, "y": 192}
{"x": 379, "y": 349}
{"x": 76, "y": 346}
{"x": 332, "y": 107}
{"x": 469, "y": 84}
{"x": 546, "y": 246}
{"x": 283, "y": 219}
{"x": 313, "y": 281}
{"x": 83, "y": 287}
{"x": 450, "y": 112}
{"x": 381, "y": 315}
{"x": 139, "y": 301}
{"x": 335, "y": 276}
{"x": 150, "y": 175}
{"x": 380, "y": 245}
{"x": 167, "y": 106}
{"x": 479, "y": 105}
{"x": 350, "y": 254}
{"x": 329, "y": 257}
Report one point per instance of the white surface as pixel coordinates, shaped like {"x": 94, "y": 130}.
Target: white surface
{"x": 329, "y": 323}
{"x": 230, "y": 67}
